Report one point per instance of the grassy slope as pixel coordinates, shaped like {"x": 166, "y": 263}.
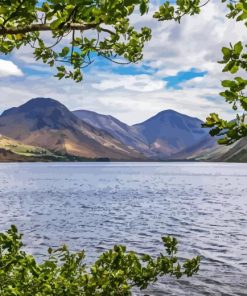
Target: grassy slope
{"x": 22, "y": 149}
{"x": 12, "y": 150}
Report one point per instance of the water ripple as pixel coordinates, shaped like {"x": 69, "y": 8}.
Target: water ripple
{"x": 94, "y": 206}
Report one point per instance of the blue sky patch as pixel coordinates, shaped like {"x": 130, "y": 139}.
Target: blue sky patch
{"x": 133, "y": 70}
{"x": 174, "y": 81}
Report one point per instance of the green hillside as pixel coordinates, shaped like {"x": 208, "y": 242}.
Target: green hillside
{"x": 22, "y": 149}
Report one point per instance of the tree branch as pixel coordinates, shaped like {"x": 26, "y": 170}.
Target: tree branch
{"x": 44, "y": 27}
{"x": 107, "y": 31}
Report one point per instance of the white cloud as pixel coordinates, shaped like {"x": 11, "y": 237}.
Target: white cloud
{"x": 8, "y": 68}
{"x": 130, "y": 106}
{"x": 195, "y": 43}
{"x": 139, "y": 83}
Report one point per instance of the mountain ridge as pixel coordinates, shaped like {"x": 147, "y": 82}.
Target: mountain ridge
{"x": 118, "y": 129}
{"x": 49, "y": 124}
{"x": 168, "y": 135}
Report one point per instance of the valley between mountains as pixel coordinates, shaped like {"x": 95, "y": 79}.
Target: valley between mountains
{"x": 43, "y": 129}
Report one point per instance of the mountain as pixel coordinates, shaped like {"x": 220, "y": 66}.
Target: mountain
{"x": 128, "y": 135}
{"x": 167, "y": 135}
{"x": 172, "y": 135}
{"x": 43, "y": 128}
{"x": 236, "y": 152}
{"x": 47, "y": 123}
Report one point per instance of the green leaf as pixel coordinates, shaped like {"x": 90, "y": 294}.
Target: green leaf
{"x": 234, "y": 69}
{"x": 228, "y": 83}
{"x": 3, "y": 10}
{"x": 65, "y": 51}
{"x": 227, "y": 53}
{"x": 56, "y": 23}
{"x": 238, "y": 47}
{"x": 143, "y": 7}
{"x": 229, "y": 66}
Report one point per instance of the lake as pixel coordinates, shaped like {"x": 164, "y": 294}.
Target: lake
{"x": 93, "y": 206}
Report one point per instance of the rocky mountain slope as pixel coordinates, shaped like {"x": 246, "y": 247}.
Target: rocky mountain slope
{"x": 167, "y": 135}
{"x": 44, "y": 127}
{"x": 47, "y": 123}
{"x": 173, "y": 135}
{"x": 128, "y": 135}
{"x": 236, "y": 152}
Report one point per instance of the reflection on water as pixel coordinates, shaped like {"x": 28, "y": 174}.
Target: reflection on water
{"x": 93, "y": 206}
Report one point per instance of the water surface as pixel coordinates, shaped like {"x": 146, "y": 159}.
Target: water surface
{"x": 93, "y": 206}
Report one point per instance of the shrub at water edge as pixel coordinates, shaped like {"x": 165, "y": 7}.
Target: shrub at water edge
{"x": 115, "y": 272}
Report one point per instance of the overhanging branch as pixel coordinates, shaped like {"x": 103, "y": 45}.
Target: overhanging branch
{"x": 44, "y": 27}
{"x": 47, "y": 27}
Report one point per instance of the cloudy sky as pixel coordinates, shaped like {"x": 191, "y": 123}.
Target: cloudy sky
{"x": 179, "y": 72}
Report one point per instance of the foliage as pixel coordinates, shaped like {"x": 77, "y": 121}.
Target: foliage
{"x": 84, "y": 29}
{"x": 234, "y": 58}
{"x": 235, "y": 94}
{"x": 63, "y": 273}
{"x": 110, "y": 33}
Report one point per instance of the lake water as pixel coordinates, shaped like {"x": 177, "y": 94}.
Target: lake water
{"x": 93, "y": 206}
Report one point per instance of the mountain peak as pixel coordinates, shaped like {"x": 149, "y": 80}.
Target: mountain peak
{"x": 47, "y": 123}
{"x": 169, "y": 132}
{"x": 41, "y": 99}
{"x": 41, "y": 103}
{"x": 171, "y": 116}
{"x": 35, "y": 103}
{"x": 41, "y": 113}
{"x": 173, "y": 113}
{"x": 168, "y": 112}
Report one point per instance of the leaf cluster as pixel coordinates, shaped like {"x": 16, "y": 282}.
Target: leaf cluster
{"x": 110, "y": 33}
{"x": 83, "y": 30}
{"x": 234, "y": 60}
{"x": 169, "y": 11}
{"x": 115, "y": 272}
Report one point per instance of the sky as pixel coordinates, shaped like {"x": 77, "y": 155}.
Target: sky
{"x": 179, "y": 71}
